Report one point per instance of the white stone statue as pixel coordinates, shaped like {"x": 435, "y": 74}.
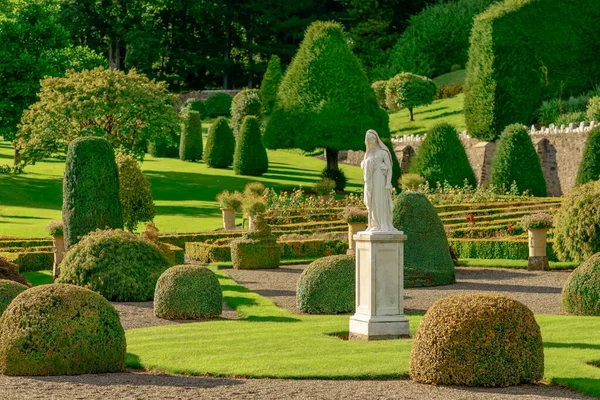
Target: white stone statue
{"x": 377, "y": 172}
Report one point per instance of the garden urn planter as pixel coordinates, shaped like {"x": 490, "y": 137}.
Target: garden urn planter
{"x": 228, "y": 218}
{"x": 353, "y": 229}
{"x": 58, "y": 243}
{"x": 538, "y": 260}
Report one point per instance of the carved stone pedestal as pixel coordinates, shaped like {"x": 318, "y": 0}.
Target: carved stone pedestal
{"x": 379, "y": 287}
{"x": 228, "y": 218}
{"x": 538, "y": 260}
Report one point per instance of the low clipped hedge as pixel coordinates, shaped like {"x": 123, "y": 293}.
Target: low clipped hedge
{"x": 8, "y": 271}
{"x": 581, "y": 293}
{"x": 208, "y": 252}
{"x": 60, "y": 330}
{"x": 188, "y": 292}
{"x": 175, "y": 254}
{"x": 509, "y": 249}
{"x": 327, "y": 286}
{"x": 119, "y": 265}
{"x": 31, "y": 261}
{"x": 477, "y": 340}
{"x": 483, "y": 231}
{"x": 26, "y": 242}
{"x": 180, "y": 239}
{"x": 8, "y": 291}
{"x": 255, "y": 254}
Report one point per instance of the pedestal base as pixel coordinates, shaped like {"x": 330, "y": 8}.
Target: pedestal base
{"x": 538, "y": 263}
{"x": 378, "y": 327}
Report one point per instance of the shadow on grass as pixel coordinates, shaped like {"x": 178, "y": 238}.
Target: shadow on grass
{"x": 446, "y": 114}
{"x": 256, "y": 318}
{"x": 32, "y": 192}
{"x": 429, "y": 110}
{"x": 584, "y": 346}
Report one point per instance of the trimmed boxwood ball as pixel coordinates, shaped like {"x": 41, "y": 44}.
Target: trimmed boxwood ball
{"x": 188, "y": 292}
{"x": 427, "y": 260}
{"x": 119, "y": 265}
{"x": 581, "y": 293}
{"x": 9, "y": 272}
{"x": 8, "y": 291}
{"x": 477, "y": 340}
{"x": 327, "y": 286}
{"x": 60, "y": 330}
{"x": 220, "y": 145}
{"x": 250, "y": 155}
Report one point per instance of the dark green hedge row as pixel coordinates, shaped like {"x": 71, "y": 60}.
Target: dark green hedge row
{"x": 29, "y": 242}
{"x": 304, "y": 216}
{"x": 25, "y": 249}
{"x": 515, "y": 64}
{"x": 483, "y": 231}
{"x": 495, "y": 249}
{"x": 175, "y": 254}
{"x": 31, "y": 261}
{"x": 180, "y": 239}
{"x": 450, "y": 209}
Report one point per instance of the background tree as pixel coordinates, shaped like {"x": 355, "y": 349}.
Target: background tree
{"x": 190, "y": 148}
{"x": 410, "y": 91}
{"x": 250, "y": 155}
{"x": 134, "y": 192}
{"x": 270, "y": 83}
{"x": 220, "y": 145}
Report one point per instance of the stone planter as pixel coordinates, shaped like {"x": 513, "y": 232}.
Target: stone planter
{"x": 353, "y": 229}
{"x": 251, "y": 219}
{"x": 228, "y": 218}
{"x": 59, "y": 252}
{"x": 538, "y": 260}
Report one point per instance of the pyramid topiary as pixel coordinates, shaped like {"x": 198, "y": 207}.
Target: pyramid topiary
{"x": 245, "y": 103}
{"x": 220, "y": 145}
{"x": 589, "y": 169}
{"x": 517, "y": 161}
{"x": 134, "y": 192}
{"x": 90, "y": 189}
{"x": 442, "y": 157}
{"x": 190, "y": 147}
{"x": 250, "y": 155}
{"x": 581, "y": 293}
{"x": 427, "y": 260}
{"x": 270, "y": 83}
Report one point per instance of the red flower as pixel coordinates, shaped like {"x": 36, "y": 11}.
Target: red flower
{"x": 510, "y": 228}
{"x": 471, "y": 218}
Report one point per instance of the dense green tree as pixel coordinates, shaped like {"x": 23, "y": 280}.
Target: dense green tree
{"x": 250, "y": 155}
{"x": 220, "y": 145}
{"x": 589, "y": 169}
{"x": 407, "y": 90}
{"x": 134, "y": 192}
{"x": 270, "y": 83}
{"x": 190, "y": 148}
{"x": 245, "y": 103}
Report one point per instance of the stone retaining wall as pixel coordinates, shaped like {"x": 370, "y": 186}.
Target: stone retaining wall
{"x": 205, "y": 94}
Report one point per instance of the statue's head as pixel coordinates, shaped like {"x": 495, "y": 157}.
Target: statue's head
{"x": 371, "y": 139}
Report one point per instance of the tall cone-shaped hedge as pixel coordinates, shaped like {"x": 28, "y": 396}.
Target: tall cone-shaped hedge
{"x": 270, "y": 83}
{"x": 517, "y": 161}
{"x": 589, "y": 169}
{"x": 250, "y": 154}
{"x": 325, "y": 99}
{"x": 90, "y": 189}
{"x": 442, "y": 158}
{"x": 190, "y": 147}
{"x": 220, "y": 145}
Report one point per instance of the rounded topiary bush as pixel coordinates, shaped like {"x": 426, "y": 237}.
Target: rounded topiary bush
{"x": 245, "y": 103}
{"x": 219, "y": 104}
{"x": 581, "y": 293}
{"x": 589, "y": 169}
{"x": 477, "y": 340}
{"x": 119, "y": 265}
{"x": 188, "y": 292}
{"x": 60, "y": 330}
{"x": 190, "y": 146}
{"x": 427, "y": 260}
{"x": 250, "y": 154}
{"x": 517, "y": 161}
{"x": 220, "y": 145}
{"x": 327, "y": 286}
{"x": 9, "y": 272}
{"x": 8, "y": 291}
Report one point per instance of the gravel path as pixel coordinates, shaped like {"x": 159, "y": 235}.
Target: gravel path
{"x": 540, "y": 291}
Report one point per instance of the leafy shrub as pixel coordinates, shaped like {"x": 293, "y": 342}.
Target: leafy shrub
{"x": 245, "y": 103}
{"x": 55, "y": 228}
{"x": 589, "y": 169}
{"x": 61, "y": 330}
{"x": 456, "y": 67}
{"x": 90, "y": 189}
{"x": 218, "y": 104}
{"x": 190, "y": 147}
{"x": 577, "y": 224}
{"x": 517, "y": 161}
{"x": 570, "y": 118}
{"x": 336, "y": 175}
{"x": 411, "y": 181}
{"x": 442, "y": 158}
{"x": 593, "y": 109}
{"x": 477, "y": 340}
{"x": 188, "y": 292}
{"x": 379, "y": 89}
{"x": 8, "y": 271}
{"x": 427, "y": 259}
{"x": 537, "y": 221}
{"x": 254, "y": 189}
{"x": 581, "y": 293}
{"x": 195, "y": 105}
{"x": 270, "y": 83}
{"x": 326, "y": 286}
{"x": 558, "y": 111}
{"x": 230, "y": 200}
{"x": 250, "y": 155}
{"x": 134, "y": 192}
{"x": 119, "y": 265}
{"x": 506, "y": 79}
{"x": 324, "y": 186}
{"x": 8, "y": 291}
{"x": 166, "y": 146}
{"x": 355, "y": 214}
{"x": 407, "y": 90}
{"x": 447, "y": 91}
{"x": 220, "y": 145}
{"x": 254, "y": 206}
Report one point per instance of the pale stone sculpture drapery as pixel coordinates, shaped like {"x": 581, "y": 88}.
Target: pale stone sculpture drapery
{"x": 377, "y": 173}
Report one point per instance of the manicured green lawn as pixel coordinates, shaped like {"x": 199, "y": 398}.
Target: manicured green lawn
{"x": 37, "y": 278}
{"x": 451, "y": 78}
{"x": 271, "y": 342}
{"x": 517, "y": 264}
{"x": 444, "y": 110}
{"x": 184, "y": 193}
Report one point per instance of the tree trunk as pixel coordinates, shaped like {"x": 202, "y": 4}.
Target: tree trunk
{"x": 114, "y": 54}
{"x": 17, "y": 157}
{"x": 410, "y": 111}
{"x": 332, "y": 159}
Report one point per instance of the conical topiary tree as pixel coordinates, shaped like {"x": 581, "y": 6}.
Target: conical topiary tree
{"x": 245, "y": 103}
{"x": 90, "y": 189}
{"x": 442, "y": 157}
{"x": 270, "y": 83}
{"x": 517, "y": 161}
{"x": 190, "y": 147}
{"x": 220, "y": 145}
{"x": 325, "y": 99}
{"x": 250, "y": 155}
{"x": 589, "y": 169}
{"x": 135, "y": 193}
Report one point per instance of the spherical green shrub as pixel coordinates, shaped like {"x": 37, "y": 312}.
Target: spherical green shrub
{"x": 456, "y": 67}
{"x": 250, "y": 155}
{"x": 477, "y": 340}
{"x": 90, "y": 189}
{"x": 218, "y": 104}
{"x": 327, "y": 286}
{"x": 188, "y": 292}
{"x": 379, "y": 89}
{"x": 220, "y": 145}
{"x": 195, "y": 105}
{"x": 517, "y": 161}
{"x": 60, "y": 330}
{"x": 245, "y": 103}
{"x": 119, "y": 265}
{"x": 9, "y": 272}
{"x": 134, "y": 192}
{"x": 270, "y": 83}
{"x": 589, "y": 169}
{"x": 442, "y": 157}
{"x": 581, "y": 293}
{"x": 8, "y": 291}
{"x": 427, "y": 260}
{"x": 190, "y": 147}
{"x": 577, "y": 224}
